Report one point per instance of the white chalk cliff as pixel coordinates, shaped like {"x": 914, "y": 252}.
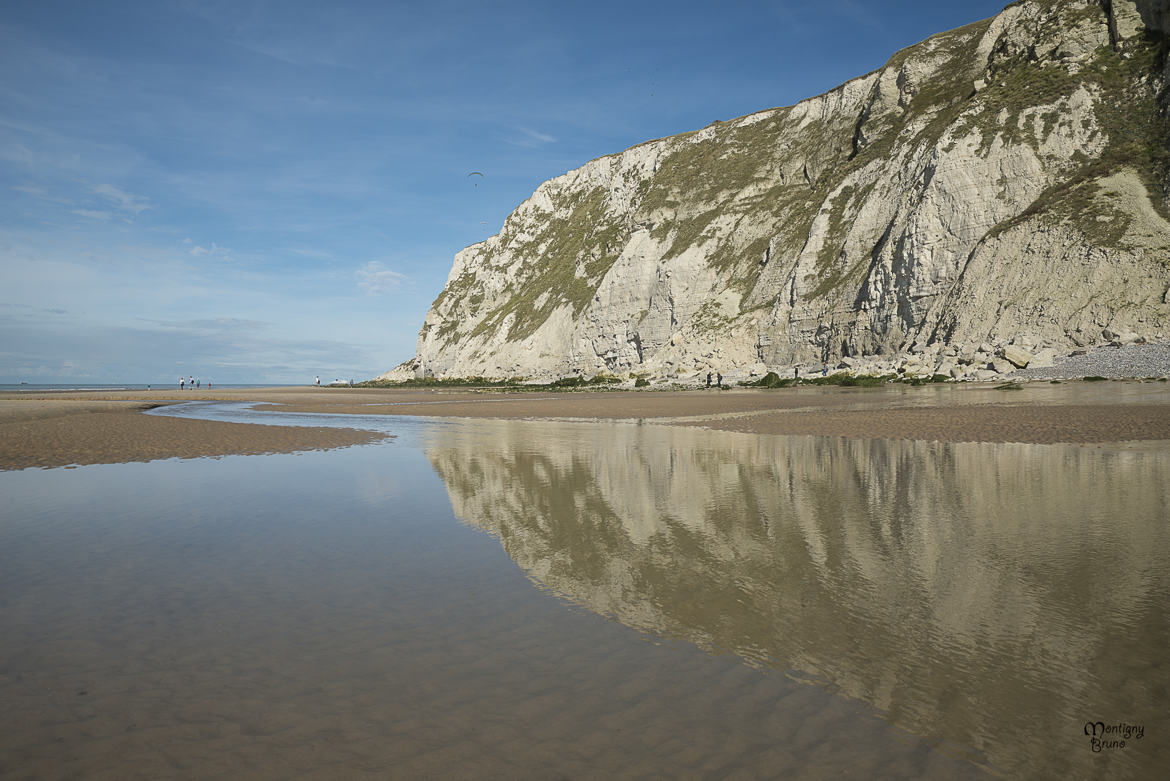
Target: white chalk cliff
{"x": 1003, "y": 182}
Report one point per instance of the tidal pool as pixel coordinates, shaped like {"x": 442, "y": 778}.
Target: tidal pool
{"x": 510, "y": 599}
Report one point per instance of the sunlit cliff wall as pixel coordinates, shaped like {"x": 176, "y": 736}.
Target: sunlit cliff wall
{"x": 1003, "y": 181}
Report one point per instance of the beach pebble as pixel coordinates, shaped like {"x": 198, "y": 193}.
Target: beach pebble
{"x": 1129, "y": 361}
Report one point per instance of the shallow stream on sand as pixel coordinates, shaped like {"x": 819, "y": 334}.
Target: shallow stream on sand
{"x": 482, "y": 599}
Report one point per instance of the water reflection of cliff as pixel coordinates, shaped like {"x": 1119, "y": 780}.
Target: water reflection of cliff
{"x": 989, "y": 596}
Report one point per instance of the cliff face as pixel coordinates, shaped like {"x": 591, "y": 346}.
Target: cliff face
{"x": 1003, "y": 181}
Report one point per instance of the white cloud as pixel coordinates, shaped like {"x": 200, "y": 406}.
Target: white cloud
{"x": 17, "y": 153}
{"x": 93, "y": 214}
{"x": 214, "y": 251}
{"x": 378, "y": 280}
{"x": 532, "y": 138}
{"x": 127, "y": 202}
{"x": 40, "y": 193}
{"x": 209, "y": 325}
{"x": 309, "y": 252}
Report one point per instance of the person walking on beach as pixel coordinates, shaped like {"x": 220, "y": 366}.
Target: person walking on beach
{"x": 708, "y": 379}
{"x": 718, "y": 380}
{"x": 182, "y": 384}
{"x": 318, "y": 381}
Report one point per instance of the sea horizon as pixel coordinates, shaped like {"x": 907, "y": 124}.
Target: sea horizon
{"x": 15, "y": 387}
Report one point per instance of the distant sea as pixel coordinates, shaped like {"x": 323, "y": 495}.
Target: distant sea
{"x": 128, "y": 386}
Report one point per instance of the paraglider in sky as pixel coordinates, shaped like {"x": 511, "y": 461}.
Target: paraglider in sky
{"x": 476, "y": 173}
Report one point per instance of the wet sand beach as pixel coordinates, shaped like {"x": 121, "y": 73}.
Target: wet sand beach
{"x": 64, "y": 428}
{"x": 64, "y": 432}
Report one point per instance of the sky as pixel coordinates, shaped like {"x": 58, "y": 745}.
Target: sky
{"x": 267, "y": 192}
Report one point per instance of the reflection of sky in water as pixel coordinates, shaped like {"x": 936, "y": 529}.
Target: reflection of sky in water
{"x": 312, "y": 612}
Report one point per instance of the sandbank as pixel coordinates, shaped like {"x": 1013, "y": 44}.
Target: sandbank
{"x": 64, "y": 428}
{"x": 65, "y": 432}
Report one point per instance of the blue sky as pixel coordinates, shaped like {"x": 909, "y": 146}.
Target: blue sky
{"x": 270, "y": 191}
